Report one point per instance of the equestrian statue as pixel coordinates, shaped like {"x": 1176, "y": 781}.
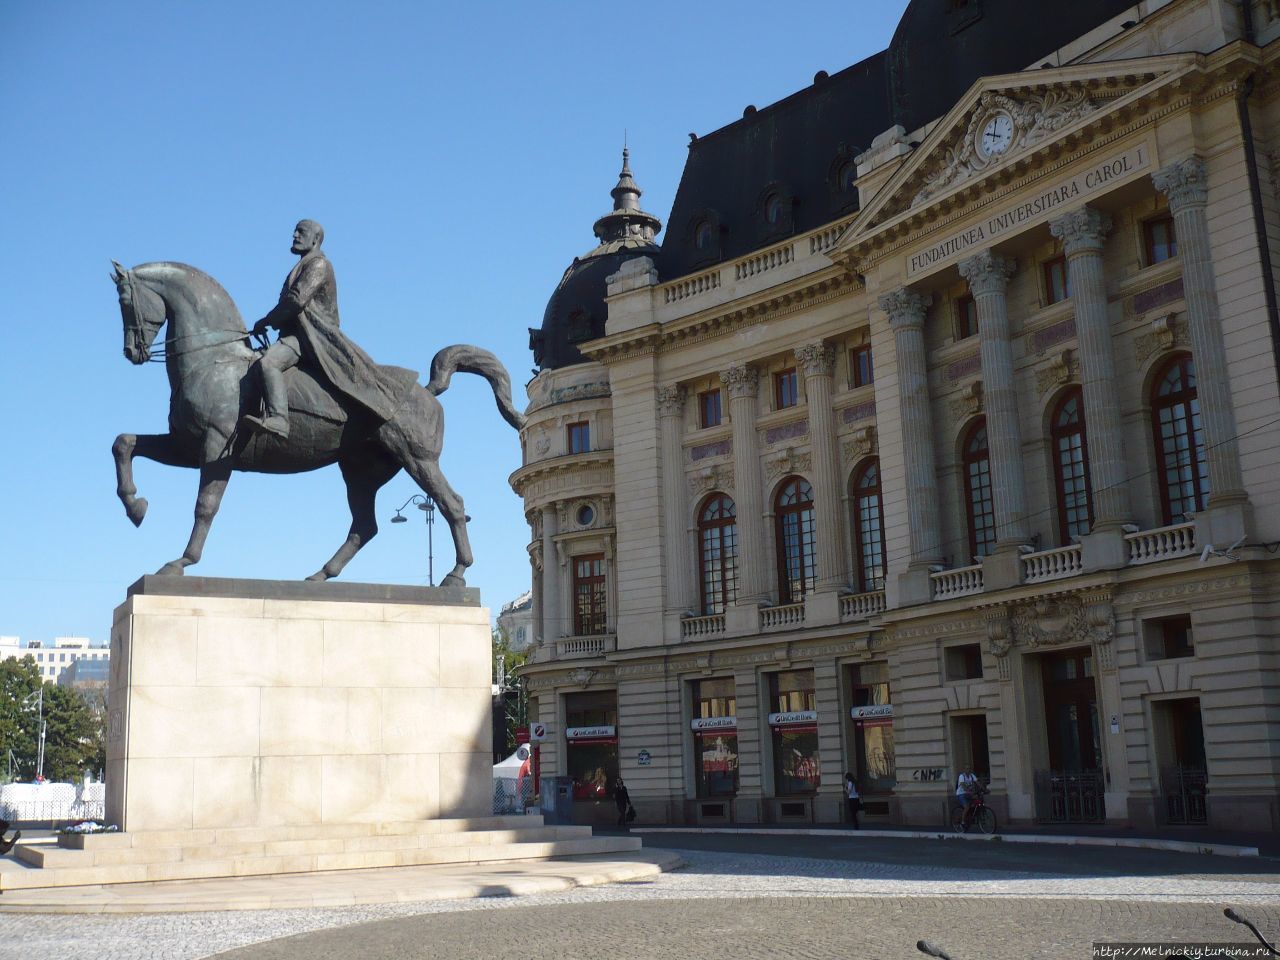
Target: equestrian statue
{"x": 308, "y": 400}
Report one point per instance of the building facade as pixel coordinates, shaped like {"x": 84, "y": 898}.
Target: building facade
{"x": 55, "y": 659}
{"x": 515, "y": 620}
{"x": 941, "y": 435}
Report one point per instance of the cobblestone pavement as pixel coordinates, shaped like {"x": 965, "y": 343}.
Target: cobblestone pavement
{"x": 732, "y": 903}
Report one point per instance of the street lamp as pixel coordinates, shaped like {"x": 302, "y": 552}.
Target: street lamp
{"x": 38, "y": 696}
{"x": 428, "y": 507}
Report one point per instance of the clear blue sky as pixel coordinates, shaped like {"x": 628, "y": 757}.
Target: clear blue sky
{"x": 456, "y": 155}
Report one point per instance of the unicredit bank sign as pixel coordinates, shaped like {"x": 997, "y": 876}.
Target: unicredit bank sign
{"x": 791, "y": 719}
{"x": 714, "y": 723}
{"x": 591, "y": 733}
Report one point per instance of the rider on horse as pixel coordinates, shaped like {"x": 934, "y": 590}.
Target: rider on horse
{"x": 307, "y": 318}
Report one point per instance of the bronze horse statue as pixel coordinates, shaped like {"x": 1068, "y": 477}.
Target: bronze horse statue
{"x": 207, "y": 355}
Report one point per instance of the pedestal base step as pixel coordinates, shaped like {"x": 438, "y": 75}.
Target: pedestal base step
{"x": 108, "y": 858}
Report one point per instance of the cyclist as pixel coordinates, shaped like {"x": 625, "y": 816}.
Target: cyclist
{"x": 967, "y": 787}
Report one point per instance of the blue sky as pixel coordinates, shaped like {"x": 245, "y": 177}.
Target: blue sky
{"x": 457, "y": 156}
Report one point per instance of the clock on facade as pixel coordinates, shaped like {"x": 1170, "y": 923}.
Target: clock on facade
{"x": 996, "y": 135}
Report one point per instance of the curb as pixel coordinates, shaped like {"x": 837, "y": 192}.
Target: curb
{"x": 185, "y": 896}
{"x": 1141, "y": 843}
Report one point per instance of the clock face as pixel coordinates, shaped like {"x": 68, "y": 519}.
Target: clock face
{"x": 996, "y": 135}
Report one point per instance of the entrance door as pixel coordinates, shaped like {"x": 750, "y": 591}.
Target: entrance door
{"x": 1073, "y": 789}
{"x": 1071, "y": 711}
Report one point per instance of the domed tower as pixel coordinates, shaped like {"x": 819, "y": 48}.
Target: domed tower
{"x": 566, "y": 480}
{"x": 576, "y": 312}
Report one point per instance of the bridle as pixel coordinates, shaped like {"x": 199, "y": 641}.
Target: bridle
{"x": 141, "y": 330}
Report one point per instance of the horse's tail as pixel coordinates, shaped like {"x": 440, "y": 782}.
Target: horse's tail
{"x": 464, "y": 358}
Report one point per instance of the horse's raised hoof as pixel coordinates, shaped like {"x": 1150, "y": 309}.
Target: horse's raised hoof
{"x": 171, "y": 569}
{"x": 136, "y": 511}
{"x": 453, "y": 580}
{"x": 318, "y": 576}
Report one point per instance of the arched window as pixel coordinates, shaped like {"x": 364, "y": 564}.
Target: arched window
{"x": 703, "y": 236}
{"x": 1180, "y": 457}
{"x": 1071, "y": 467}
{"x": 868, "y": 526}
{"x": 773, "y": 209}
{"x": 718, "y": 553}
{"x": 977, "y": 491}
{"x": 796, "y": 544}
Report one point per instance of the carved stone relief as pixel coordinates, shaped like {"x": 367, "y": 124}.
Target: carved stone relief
{"x": 784, "y": 462}
{"x": 968, "y": 403}
{"x": 1166, "y": 333}
{"x": 703, "y": 481}
{"x": 1035, "y": 118}
{"x": 1061, "y": 369}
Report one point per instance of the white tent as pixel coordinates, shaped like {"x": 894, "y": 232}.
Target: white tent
{"x": 510, "y": 767}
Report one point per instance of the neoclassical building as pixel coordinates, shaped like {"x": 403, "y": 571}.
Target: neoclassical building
{"x": 940, "y": 431}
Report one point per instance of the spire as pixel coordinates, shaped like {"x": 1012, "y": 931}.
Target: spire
{"x": 627, "y": 224}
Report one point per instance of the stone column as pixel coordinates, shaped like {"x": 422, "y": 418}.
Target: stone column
{"x": 1186, "y": 183}
{"x": 553, "y": 626}
{"x": 905, "y": 309}
{"x": 988, "y": 276}
{"x": 742, "y": 382}
{"x": 1082, "y": 233}
{"x": 675, "y": 506}
{"x": 818, "y": 362}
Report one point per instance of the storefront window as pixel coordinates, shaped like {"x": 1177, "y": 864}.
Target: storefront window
{"x": 794, "y": 722}
{"x": 715, "y": 737}
{"x": 873, "y": 729}
{"x": 591, "y": 743}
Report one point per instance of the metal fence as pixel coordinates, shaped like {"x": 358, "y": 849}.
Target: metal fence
{"x": 1184, "y": 794}
{"x": 51, "y": 802}
{"x": 1070, "y": 796}
{"x": 511, "y": 794}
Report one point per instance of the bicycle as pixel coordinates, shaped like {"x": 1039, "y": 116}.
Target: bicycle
{"x": 975, "y": 813}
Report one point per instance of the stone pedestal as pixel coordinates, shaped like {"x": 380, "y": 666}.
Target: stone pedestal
{"x": 246, "y": 703}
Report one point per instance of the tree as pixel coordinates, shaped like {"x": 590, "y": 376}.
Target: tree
{"x": 70, "y": 746}
{"x": 515, "y": 704}
{"x": 19, "y": 726}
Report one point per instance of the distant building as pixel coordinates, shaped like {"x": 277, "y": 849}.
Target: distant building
{"x": 516, "y": 621}
{"x": 86, "y": 672}
{"x": 58, "y": 656}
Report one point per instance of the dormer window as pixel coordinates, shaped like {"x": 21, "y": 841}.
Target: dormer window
{"x": 579, "y": 327}
{"x": 773, "y": 209}
{"x": 703, "y": 236}
{"x": 848, "y": 178}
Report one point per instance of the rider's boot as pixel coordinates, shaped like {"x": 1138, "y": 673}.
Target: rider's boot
{"x": 276, "y": 399}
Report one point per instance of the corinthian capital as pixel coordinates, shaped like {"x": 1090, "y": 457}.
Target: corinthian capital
{"x": 1081, "y": 230}
{"x": 1185, "y": 182}
{"x": 741, "y": 380}
{"x": 817, "y": 359}
{"x": 670, "y": 401}
{"x": 905, "y": 307}
{"x": 987, "y": 272}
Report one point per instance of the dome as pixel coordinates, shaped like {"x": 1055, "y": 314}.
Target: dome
{"x": 576, "y": 311}
{"x": 942, "y": 46}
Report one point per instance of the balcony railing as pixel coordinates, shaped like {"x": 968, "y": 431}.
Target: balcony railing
{"x": 572, "y": 648}
{"x": 960, "y": 582}
{"x": 1052, "y": 564}
{"x": 1163, "y": 543}
{"x": 788, "y": 615}
{"x": 694, "y": 627}
{"x": 862, "y": 606}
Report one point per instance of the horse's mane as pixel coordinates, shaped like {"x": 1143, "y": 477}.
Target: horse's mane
{"x": 199, "y": 286}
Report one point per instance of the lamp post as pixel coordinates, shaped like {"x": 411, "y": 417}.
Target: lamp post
{"x": 38, "y": 696}
{"x": 428, "y": 507}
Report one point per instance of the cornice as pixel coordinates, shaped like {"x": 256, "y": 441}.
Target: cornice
{"x": 723, "y": 319}
{"x": 556, "y": 465}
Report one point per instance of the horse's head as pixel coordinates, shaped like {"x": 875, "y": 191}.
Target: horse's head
{"x": 143, "y": 313}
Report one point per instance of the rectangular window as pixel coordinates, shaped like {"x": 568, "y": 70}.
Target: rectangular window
{"x": 873, "y": 731}
{"x": 1160, "y": 241}
{"x": 966, "y": 318}
{"x": 1057, "y": 280}
{"x": 709, "y": 409}
{"x": 786, "y": 389}
{"x": 589, "y": 608}
{"x": 969, "y": 746}
{"x": 715, "y": 746}
{"x": 964, "y": 662}
{"x": 579, "y": 437}
{"x": 1169, "y": 638}
{"x": 861, "y": 372}
{"x": 592, "y": 761}
{"x": 796, "y": 767}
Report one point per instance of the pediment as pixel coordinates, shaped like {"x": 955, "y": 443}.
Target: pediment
{"x": 1039, "y": 108}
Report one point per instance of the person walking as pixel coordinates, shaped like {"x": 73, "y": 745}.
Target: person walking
{"x": 852, "y": 798}
{"x": 622, "y": 800}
